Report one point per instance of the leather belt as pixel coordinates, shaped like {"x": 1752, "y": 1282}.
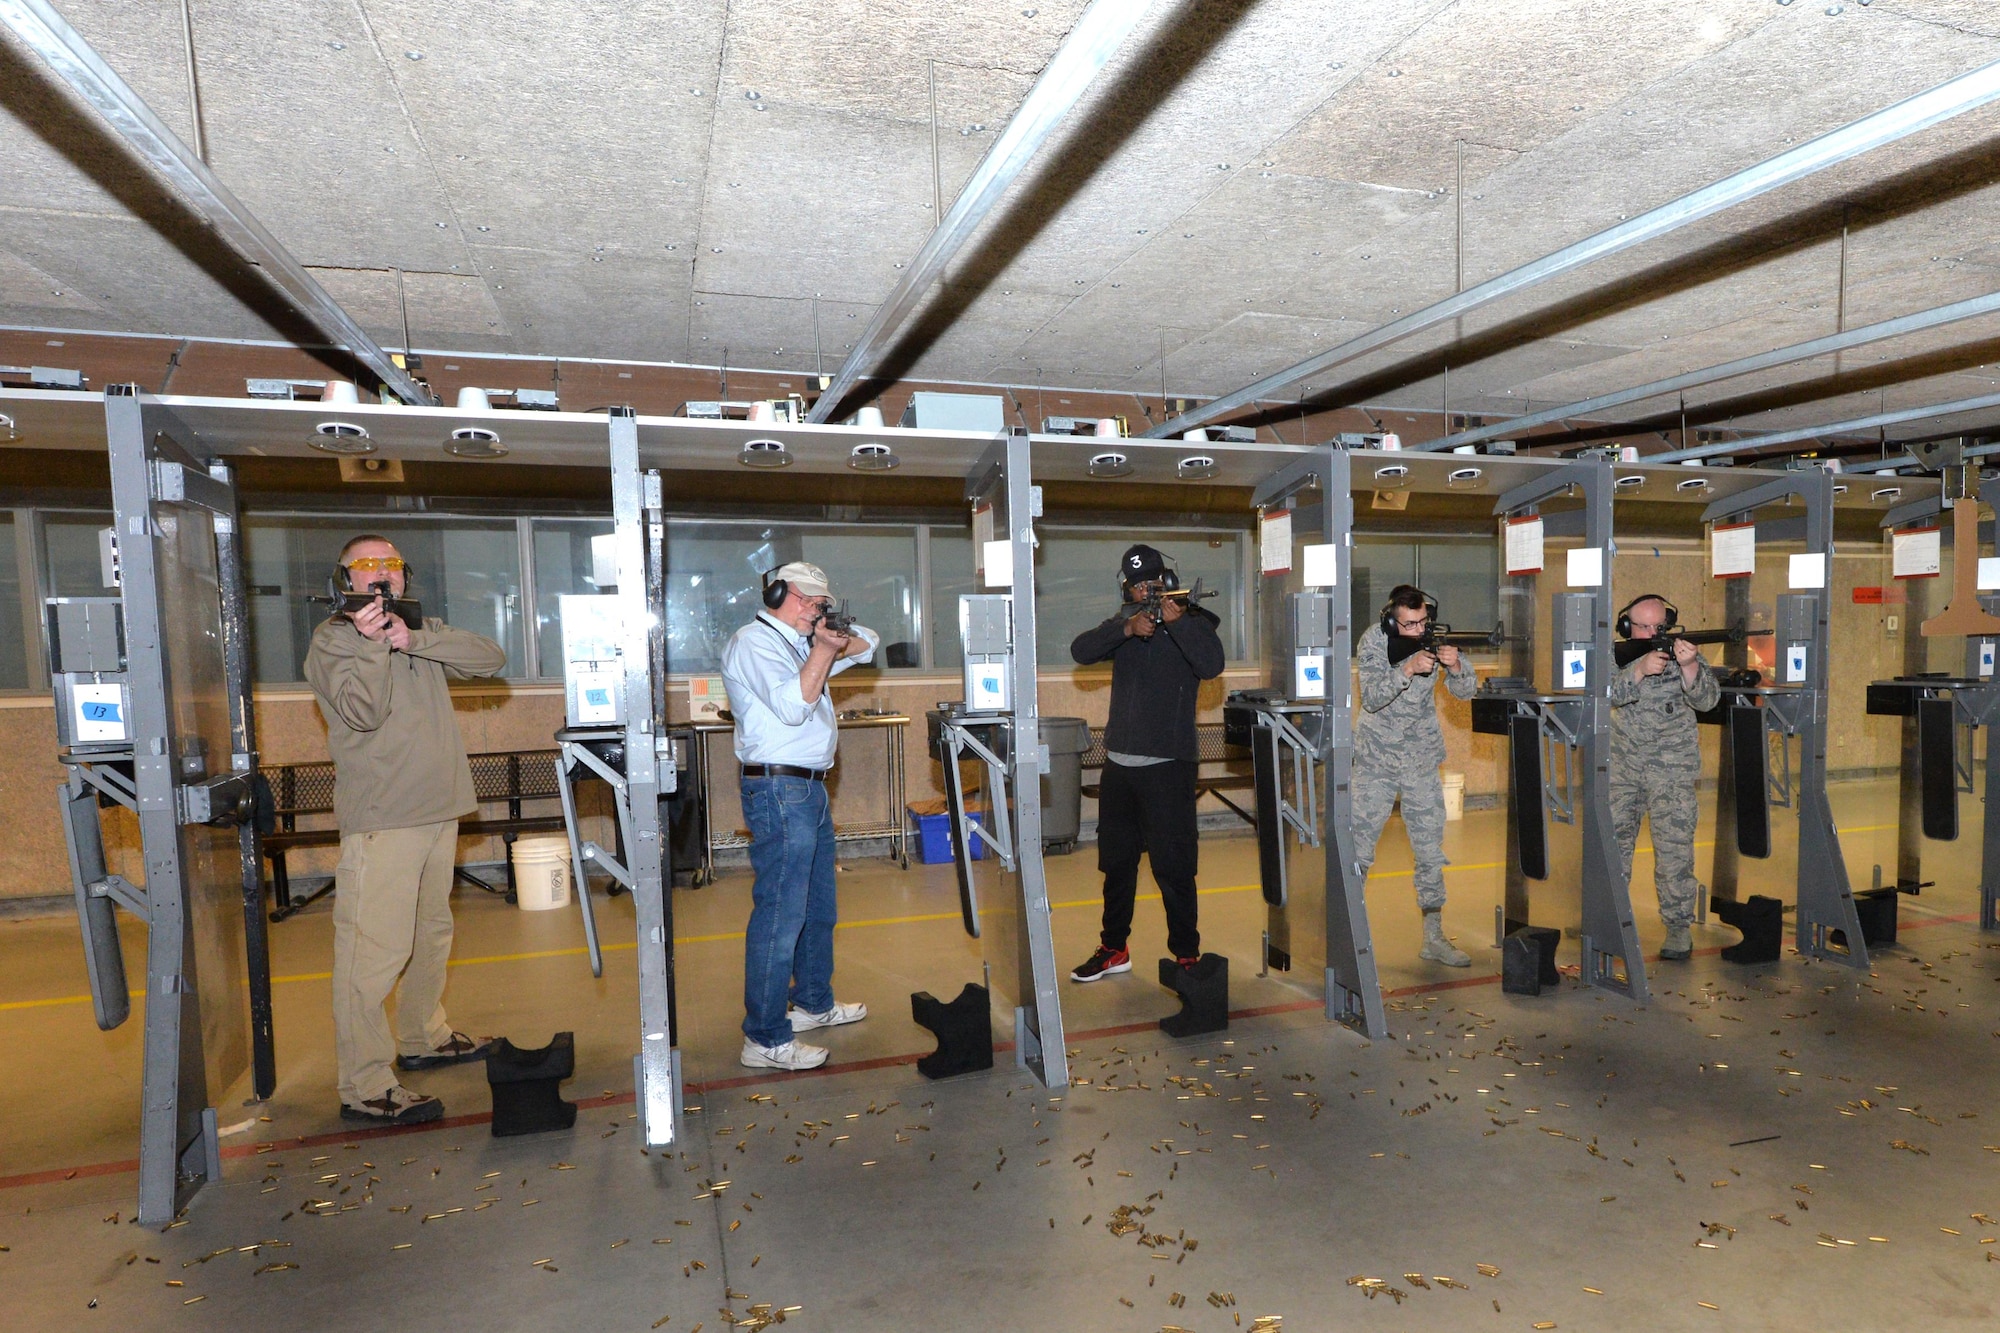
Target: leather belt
{"x": 785, "y": 771}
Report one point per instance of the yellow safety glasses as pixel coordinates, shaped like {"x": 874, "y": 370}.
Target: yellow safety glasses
{"x": 378, "y": 564}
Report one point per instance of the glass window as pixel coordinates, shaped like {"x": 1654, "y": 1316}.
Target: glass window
{"x": 563, "y": 564}
{"x": 467, "y": 571}
{"x": 74, "y": 567}
{"x": 1462, "y": 574}
{"x": 715, "y": 581}
{"x": 951, "y": 578}
{"x": 1076, "y": 582}
{"x": 13, "y": 640}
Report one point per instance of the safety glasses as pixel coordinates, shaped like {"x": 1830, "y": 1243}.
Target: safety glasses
{"x": 378, "y": 564}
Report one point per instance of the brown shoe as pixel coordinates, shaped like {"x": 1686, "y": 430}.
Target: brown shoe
{"x": 457, "y": 1050}
{"x": 397, "y": 1106}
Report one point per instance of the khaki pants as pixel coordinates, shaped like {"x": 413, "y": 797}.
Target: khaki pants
{"x": 391, "y": 918}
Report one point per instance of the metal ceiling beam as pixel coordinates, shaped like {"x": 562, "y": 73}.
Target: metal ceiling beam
{"x": 1851, "y": 426}
{"x": 171, "y": 163}
{"x": 1952, "y": 98}
{"x": 1082, "y": 55}
{"x": 1936, "y": 317}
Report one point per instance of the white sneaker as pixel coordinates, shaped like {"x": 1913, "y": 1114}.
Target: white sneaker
{"x": 803, "y": 1021}
{"x": 792, "y": 1055}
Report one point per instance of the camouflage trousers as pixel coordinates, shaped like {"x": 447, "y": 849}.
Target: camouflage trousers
{"x": 1664, "y": 793}
{"x": 1422, "y": 791}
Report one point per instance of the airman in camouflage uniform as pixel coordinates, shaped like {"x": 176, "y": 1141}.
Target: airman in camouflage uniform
{"x": 1656, "y": 763}
{"x": 1398, "y": 746}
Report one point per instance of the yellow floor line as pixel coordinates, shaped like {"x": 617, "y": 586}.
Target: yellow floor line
{"x": 725, "y": 937}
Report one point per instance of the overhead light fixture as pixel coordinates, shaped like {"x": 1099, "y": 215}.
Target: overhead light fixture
{"x": 1692, "y": 484}
{"x": 764, "y": 453}
{"x": 1632, "y": 481}
{"x": 475, "y": 442}
{"x": 1464, "y": 478}
{"x": 341, "y": 437}
{"x": 7, "y": 432}
{"x": 871, "y": 455}
{"x": 1839, "y": 488}
{"x": 1393, "y": 477}
{"x": 1195, "y": 467}
{"x": 1887, "y": 493}
{"x": 1196, "y": 436}
{"x": 1111, "y": 464}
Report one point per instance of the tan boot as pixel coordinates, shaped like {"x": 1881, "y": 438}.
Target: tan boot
{"x": 1437, "y": 948}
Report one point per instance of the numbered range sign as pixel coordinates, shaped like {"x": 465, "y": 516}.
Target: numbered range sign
{"x": 98, "y": 713}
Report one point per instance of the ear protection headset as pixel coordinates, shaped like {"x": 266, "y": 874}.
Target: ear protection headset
{"x": 1389, "y": 614}
{"x": 1625, "y": 614}
{"x": 775, "y": 591}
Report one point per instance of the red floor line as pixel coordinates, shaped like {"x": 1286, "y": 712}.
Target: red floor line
{"x": 752, "y": 1080}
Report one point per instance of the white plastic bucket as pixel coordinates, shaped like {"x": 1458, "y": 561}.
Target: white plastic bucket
{"x": 1454, "y": 796}
{"x": 541, "y": 872}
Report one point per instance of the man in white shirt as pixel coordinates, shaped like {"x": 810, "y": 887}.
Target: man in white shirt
{"x": 776, "y": 669}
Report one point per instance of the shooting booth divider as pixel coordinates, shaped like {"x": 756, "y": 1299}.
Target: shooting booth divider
{"x": 998, "y": 723}
{"x": 1299, "y": 727}
{"x": 153, "y": 713}
{"x": 1793, "y": 708}
{"x": 1570, "y": 726}
{"x": 1941, "y": 712}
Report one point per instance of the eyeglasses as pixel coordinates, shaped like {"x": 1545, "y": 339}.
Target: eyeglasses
{"x": 378, "y": 564}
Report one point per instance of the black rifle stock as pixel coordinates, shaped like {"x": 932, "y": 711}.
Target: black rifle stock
{"x": 1436, "y": 636}
{"x": 1627, "y": 651}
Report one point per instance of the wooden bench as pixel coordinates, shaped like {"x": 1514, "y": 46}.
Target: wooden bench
{"x": 1213, "y": 750}
{"x": 306, "y": 791}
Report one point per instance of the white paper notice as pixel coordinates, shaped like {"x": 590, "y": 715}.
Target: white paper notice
{"x": 982, "y": 534}
{"x": 1322, "y": 566}
{"x": 1916, "y": 554}
{"x": 1732, "y": 551}
{"x": 1309, "y": 676}
{"x": 1795, "y": 664}
{"x": 1575, "y": 662}
{"x": 1586, "y": 567}
{"x": 1809, "y": 571}
{"x": 1274, "y": 540}
{"x": 1989, "y": 573}
{"x": 1524, "y": 546}
{"x": 1985, "y": 657}
{"x": 998, "y": 564}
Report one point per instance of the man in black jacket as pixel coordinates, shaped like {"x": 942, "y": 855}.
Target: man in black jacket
{"x": 1146, "y": 800}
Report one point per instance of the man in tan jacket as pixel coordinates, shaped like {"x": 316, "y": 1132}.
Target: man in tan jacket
{"x": 401, "y": 784}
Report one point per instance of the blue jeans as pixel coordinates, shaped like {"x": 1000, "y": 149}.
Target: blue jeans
{"x": 788, "y": 950}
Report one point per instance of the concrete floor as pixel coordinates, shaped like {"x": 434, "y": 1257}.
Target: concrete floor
{"x": 1713, "y": 1146}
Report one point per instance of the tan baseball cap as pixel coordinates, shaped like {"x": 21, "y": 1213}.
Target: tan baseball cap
{"x": 805, "y": 579}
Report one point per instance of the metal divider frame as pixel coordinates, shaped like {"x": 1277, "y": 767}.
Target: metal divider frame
{"x": 1003, "y": 477}
{"x": 1353, "y": 990}
{"x": 1825, "y": 899}
{"x": 636, "y": 502}
{"x": 153, "y": 467}
{"x": 1609, "y": 935}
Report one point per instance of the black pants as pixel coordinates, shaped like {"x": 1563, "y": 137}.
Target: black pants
{"x": 1149, "y": 810}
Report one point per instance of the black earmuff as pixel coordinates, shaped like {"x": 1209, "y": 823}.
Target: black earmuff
{"x": 1389, "y": 614}
{"x": 1624, "y": 625}
{"x": 775, "y": 592}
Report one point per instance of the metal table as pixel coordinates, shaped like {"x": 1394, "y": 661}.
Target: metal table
{"x": 896, "y": 827}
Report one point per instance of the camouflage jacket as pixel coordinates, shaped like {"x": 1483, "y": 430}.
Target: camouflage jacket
{"x": 1654, "y": 716}
{"x": 1398, "y": 722}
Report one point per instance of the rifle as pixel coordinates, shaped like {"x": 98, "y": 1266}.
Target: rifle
{"x": 1436, "y": 636}
{"x": 1155, "y": 604}
{"x": 837, "y": 619}
{"x": 346, "y": 602}
{"x": 1627, "y": 651}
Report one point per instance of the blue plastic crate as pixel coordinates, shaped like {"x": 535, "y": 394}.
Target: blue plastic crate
{"x": 934, "y": 837}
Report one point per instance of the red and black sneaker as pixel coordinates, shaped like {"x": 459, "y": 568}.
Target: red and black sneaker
{"x": 1187, "y": 964}
{"x": 1102, "y": 964}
